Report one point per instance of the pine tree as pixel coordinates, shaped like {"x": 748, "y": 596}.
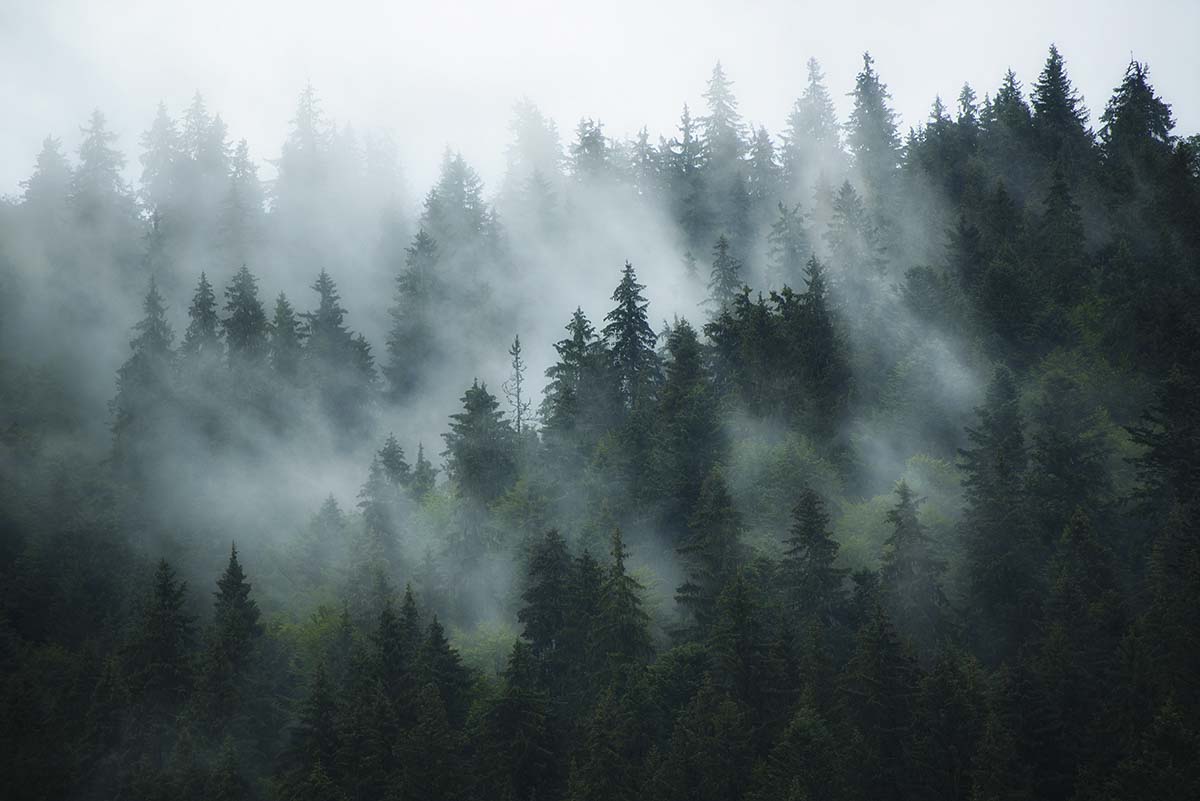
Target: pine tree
{"x": 684, "y": 161}
{"x": 446, "y": 671}
{"x": 589, "y": 153}
{"x": 813, "y": 587}
{"x": 161, "y": 156}
{"x": 871, "y": 133}
{"x": 314, "y": 739}
{"x": 788, "y": 247}
{"x": 391, "y": 459}
{"x": 339, "y": 363}
{"x": 1000, "y": 559}
{"x": 160, "y": 652}
{"x": 1136, "y": 130}
{"x": 631, "y": 341}
{"x": 910, "y": 576}
{"x": 285, "y": 340}
{"x": 709, "y": 757}
{"x": 45, "y": 193}
{"x": 1060, "y": 243}
{"x": 202, "y": 339}
{"x": 1059, "y": 117}
{"x": 240, "y": 225}
{"x": 513, "y": 389}
{"x": 235, "y": 614}
{"x": 712, "y": 552}
{"x": 99, "y": 197}
{"x": 479, "y": 453}
{"x": 245, "y": 325}
{"x": 545, "y": 605}
{"x": 725, "y": 280}
{"x": 877, "y": 687}
{"x": 622, "y": 632}
{"x": 812, "y": 141}
{"x": 411, "y": 343}
{"x": 143, "y": 384}
{"x": 688, "y": 438}
{"x": 424, "y": 477}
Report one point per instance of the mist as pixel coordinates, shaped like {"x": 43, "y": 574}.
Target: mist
{"x": 665, "y": 389}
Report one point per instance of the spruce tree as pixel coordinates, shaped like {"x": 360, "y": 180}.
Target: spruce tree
{"x": 871, "y": 133}
{"x": 1000, "y": 557}
{"x": 424, "y": 477}
{"x": 202, "y": 339}
{"x": 813, "y": 587}
{"x": 411, "y": 343}
{"x": 631, "y": 341}
{"x": 245, "y": 325}
{"x": 622, "y": 634}
{"x": 711, "y": 553}
{"x": 812, "y": 141}
{"x": 285, "y": 340}
{"x": 480, "y": 456}
{"x": 725, "y": 280}
{"x": 910, "y": 576}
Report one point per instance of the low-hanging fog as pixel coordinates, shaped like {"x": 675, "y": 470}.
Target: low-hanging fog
{"x": 905, "y": 291}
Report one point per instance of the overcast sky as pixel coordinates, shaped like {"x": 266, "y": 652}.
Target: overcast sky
{"x": 447, "y": 73}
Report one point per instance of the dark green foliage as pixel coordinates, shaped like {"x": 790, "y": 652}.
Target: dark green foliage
{"x": 712, "y": 551}
{"x": 245, "y": 324}
{"x": 1001, "y": 555}
{"x": 911, "y": 576}
{"x": 813, "y": 587}
{"x": 480, "y": 453}
{"x": 630, "y": 341}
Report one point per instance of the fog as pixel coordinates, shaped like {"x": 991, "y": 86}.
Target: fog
{"x": 447, "y": 74}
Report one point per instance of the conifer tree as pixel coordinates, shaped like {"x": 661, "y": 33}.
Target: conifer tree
{"x": 1136, "y": 131}
{"x": 712, "y": 552}
{"x": 631, "y": 341}
{"x": 143, "y": 383}
{"x": 160, "y": 652}
{"x": 871, "y": 133}
{"x": 812, "y": 141}
{"x": 424, "y": 477}
{"x": 910, "y": 576}
{"x": 812, "y": 586}
{"x": 1000, "y": 559}
{"x": 725, "y": 280}
{"x": 202, "y": 339}
{"x": 789, "y": 247}
{"x": 1059, "y": 116}
{"x": 546, "y": 601}
{"x": 513, "y": 389}
{"x": 411, "y": 343}
{"x": 245, "y": 325}
{"x": 479, "y": 453}
{"x": 622, "y": 634}
{"x": 445, "y": 670}
{"x": 285, "y": 340}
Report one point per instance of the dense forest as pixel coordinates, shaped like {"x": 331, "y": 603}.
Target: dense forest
{"x": 871, "y": 470}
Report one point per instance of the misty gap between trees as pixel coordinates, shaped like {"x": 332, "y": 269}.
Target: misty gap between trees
{"x": 834, "y": 463}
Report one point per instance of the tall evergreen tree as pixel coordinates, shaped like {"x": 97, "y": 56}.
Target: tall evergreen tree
{"x": 202, "y": 339}
{"x": 245, "y": 325}
{"x": 813, "y": 586}
{"x": 1000, "y": 558}
{"x": 480, "y": 457}
{"x": 910, "y": 576}
{"x": 631, "y": 341}
{"x": 712, "y": 552}
{"x": 725, "y": 280}
{"x": 871, "y": 133}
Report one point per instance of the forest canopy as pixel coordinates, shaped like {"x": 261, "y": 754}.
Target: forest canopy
{"x": 834, "y": 462}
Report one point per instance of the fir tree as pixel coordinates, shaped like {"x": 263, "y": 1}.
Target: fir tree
{"x": 813, "y": 587}
{"x": 910, "y": 576}
{"x": 712, "y": 552}
{"x": 479, "y": 453}
{"x": 245, "y": 325}
{"x": 631, "y": 341}
{"x": 725, "y": 280}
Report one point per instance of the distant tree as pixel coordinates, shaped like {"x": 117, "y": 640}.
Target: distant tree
{"x": 479, "y": 447}
{"x": 631, "y": 341}
{"x": 202, "y": 339}
{"x": 911, "y": 576}
{"x": 514, "y": 386}
{"x": 160, "y": 651}
{"x": 789, "y": 247}
{"x": 812, "y": 141}
{"x": 286, "y": 346}
{"x": 712, "y": 552}
{"x": 1136, "y": 131}
{"x": 245, "y": 325}
{"x": 424, "y": 475}
{"x": 871, "y": 133}
{"x": 143, "y": 384}
{"x": 812, "y": 585}
{"x": 589, "y": 153}
{"x": 1000, "y": 557}
{"x": 725, "y": 281}
{"x": 1060, "y": 118}
{"x": 623, "y": 628}
{"x": 411, "y": 343}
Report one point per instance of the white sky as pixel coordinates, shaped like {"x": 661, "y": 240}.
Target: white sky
{"x": 446, "y": 72}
